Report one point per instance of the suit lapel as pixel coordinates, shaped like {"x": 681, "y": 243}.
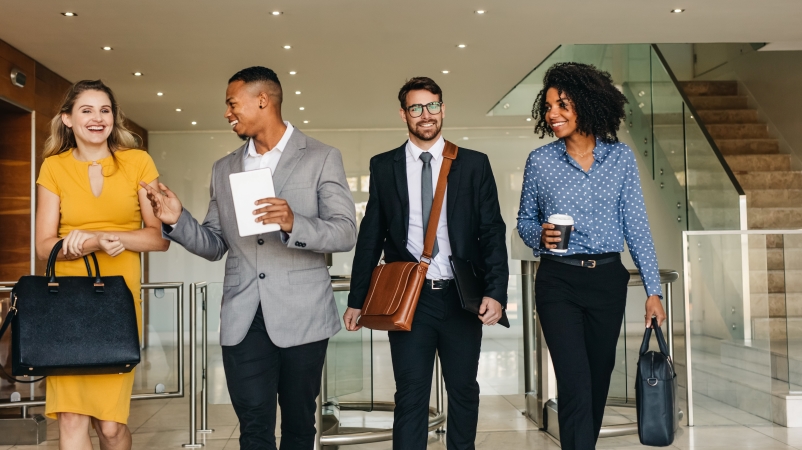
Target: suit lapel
{"x": 236, "y": 161}
{"x": 292, "y": 153}
{"x": 453, "y": 188}
{"x": 400, "y": 172}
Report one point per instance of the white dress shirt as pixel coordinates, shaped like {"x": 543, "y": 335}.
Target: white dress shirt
{"x": 440, "y": 267}
{"x": 270, "y": 159}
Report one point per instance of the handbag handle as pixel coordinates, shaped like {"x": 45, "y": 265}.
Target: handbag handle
{"x": 661, "y": 342}
{"x": 50, "y": 271}
{"x": 449, "y": 154}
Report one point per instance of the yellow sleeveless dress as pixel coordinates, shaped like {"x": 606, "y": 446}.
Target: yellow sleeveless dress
{"x": 106, "y": 397}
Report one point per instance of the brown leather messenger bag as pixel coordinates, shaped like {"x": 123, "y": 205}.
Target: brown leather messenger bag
{"x": 395, "y": 287}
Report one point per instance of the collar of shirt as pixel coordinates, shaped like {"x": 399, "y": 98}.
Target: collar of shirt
{"x": 599, "y": 152}
{"x": 251, "y": 153}
{"x": 436, "y": 150}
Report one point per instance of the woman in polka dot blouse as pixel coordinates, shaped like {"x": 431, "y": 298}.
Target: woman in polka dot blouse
{"x": 581, "y": 294}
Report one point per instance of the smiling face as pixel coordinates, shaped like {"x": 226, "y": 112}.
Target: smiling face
{"x": 244, "y": 105}
{"x": 91, "y": 119}
{"x": 560, "y": 113}
{"x": 427, "y": 126}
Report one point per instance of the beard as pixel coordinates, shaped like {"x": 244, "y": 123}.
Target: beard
{"x": 243, "y": 137}
{"x": 425, "y": 134}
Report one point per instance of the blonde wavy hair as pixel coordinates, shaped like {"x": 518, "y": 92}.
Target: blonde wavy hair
{"x": 61, "y": 136}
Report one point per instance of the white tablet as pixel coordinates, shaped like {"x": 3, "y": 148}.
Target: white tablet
{"x": 246, "y": 189}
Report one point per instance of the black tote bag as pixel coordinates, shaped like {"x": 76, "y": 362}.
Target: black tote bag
{"x": 656, "y": 392}
{"x": 72, "y": 325}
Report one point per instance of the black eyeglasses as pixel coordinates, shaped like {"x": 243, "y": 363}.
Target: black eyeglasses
{"x": 417, "y": 109}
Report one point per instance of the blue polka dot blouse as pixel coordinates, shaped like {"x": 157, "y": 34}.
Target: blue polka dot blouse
{"x": 606, "y": 203}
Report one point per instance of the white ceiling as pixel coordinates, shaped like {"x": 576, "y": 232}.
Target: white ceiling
{"x": 351, "y": 55}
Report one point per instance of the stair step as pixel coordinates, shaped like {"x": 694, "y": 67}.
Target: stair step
{"x": 773, "y": 198}
{"x": 718, "y": 102}
{"x": 770, "y": 180}
{"x": 759, "y": 163}
{"x": 728, "y": 116}
{"x": 748, "y": 146}
{"x": 777, "y": 328}
{"x": 774, "y": 218}
{"x": 739, "y": 131}
{"x": 710, "y": 87}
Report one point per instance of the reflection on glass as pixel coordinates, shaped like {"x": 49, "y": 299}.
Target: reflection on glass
{"x": 159, "y": 353}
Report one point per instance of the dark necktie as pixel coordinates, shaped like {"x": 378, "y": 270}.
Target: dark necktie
{"x": 427, "y": 195}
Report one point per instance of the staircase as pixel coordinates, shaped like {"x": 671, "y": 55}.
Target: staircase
{"x": 774, "y": 201}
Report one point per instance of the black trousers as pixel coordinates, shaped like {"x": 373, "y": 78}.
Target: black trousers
{"x": 441, "y": 325}
{"x": 257, "y": 371}
{"x": 581, "y": 311}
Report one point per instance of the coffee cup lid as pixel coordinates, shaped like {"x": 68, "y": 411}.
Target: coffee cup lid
{"x": 561, "y": 219}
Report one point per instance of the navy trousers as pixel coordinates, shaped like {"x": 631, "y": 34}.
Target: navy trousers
{"x": 440, "y": 325}
{"x": 581, "y": 311}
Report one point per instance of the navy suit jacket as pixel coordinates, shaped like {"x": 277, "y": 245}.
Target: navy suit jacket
{"x": 475, "y": 227}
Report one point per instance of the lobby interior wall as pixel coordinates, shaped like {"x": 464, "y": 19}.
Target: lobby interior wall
{"x": 185, "y": 159}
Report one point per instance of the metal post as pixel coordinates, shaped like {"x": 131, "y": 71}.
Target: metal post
{"x": 686, "y": 275}
{"x": 204, "y": 288}
{"x": 179, "y": 312}
{"x": 439, "y": 391}
{"x": 324, "y": 385}
{"x": 193, "y": 371}
{"x": 669, "y": 319}
{"x": 531, "y": 367}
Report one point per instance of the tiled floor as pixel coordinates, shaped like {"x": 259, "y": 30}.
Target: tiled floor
{"x": 163, "y": 424}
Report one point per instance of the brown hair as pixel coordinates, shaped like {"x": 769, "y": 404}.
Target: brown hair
{"x": 418, "y": 84}
{"x": 61, "y": 136}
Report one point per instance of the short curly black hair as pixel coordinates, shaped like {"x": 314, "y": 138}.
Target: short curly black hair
{"x": 599, "y": 105}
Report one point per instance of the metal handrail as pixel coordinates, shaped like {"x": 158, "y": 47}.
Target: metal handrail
{"x": 710, "y": 141}
{"x": 7, "y": 286}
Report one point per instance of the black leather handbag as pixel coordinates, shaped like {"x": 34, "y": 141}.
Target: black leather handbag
{"x": 656, "y": 392}
{"x": 72, "y": 325}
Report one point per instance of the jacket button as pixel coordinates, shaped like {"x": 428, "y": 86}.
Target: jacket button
{"x": 260, "y": 241}
{"x": 262, "y": 276}
{"x": 404, "y": 242}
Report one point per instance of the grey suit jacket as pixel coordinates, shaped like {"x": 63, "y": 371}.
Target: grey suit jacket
{"x": 288, "y": 276}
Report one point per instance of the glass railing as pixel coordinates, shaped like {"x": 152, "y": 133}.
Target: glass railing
{"x": 661, "y": 127}
{"x": 742, "y": 332}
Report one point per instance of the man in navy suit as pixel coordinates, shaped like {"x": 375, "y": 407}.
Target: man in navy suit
{"x": 402, "y": 184}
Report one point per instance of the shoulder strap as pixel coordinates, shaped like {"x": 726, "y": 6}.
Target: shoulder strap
{"x": 449, "y": 155}
{"x": 12, "y": 313}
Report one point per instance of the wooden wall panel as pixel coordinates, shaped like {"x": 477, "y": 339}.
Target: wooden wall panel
{"x": 11, "y": 58}
{"x": 15, "y": 192}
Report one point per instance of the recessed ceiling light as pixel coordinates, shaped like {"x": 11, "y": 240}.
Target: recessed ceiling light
{"x": 287, "y": 47}
{"x": 301, "y": 108}
{"x": 445, "y": 71}
{"x": 137, "y": 74}
{"x": 178, "y": 110}
{"x": 461, "y": 46}
{"x": 292, "y": 72}
{"x": 276, "y": 13}
{"x": 107, "y": 48}
{"x": 677, "y": 11}
{"x": 69, "y": 14}
{"x": 160, "y": 94}
{"x": 306, "y": 121}
{"x": 528, "y": 119}
{"x": 480, "y": 11}
{"x": 297, "y": 92}
{"x": 194, "y": 123}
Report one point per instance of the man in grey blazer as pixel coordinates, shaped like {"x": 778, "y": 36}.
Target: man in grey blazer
{"x": 278, "y": 308}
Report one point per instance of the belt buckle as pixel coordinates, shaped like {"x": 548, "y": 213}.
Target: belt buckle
{"x": 434, "y": 288}
{"x": 592, "y": 264}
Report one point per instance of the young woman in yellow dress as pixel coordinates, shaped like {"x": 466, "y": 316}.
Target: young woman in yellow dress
{"x": 89, "y": 195}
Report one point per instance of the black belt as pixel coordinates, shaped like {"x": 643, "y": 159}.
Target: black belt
{"x": 587, "y": 263}
{"x": 437, "y": 284}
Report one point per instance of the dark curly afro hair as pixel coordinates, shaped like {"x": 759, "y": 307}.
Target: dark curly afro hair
{"x": 599, "y": 106}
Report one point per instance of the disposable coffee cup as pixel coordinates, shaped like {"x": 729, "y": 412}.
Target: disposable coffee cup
{"x": 564, "y": 224}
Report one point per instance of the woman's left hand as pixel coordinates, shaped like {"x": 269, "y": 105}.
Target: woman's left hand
{"x": 74, "y": 243}
{"x": 654, "y": 308}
